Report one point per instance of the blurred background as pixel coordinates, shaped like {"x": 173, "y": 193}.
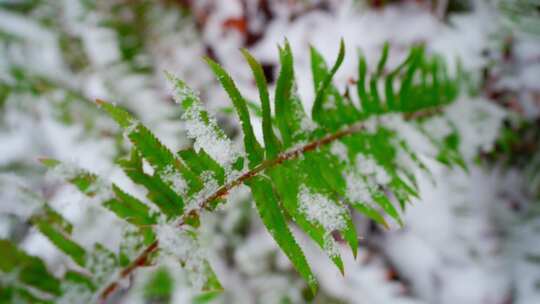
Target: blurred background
{"x": 473, "y": 237}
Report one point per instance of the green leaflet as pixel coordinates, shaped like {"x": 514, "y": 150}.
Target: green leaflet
{"x": 206, "y": 297}
{"x": 159, "y": 287}
{"x": 58, "y": 230}
{"x": 84, "y": 181}
{"x": 159, "y": 156}
{"x": 159, "y": 192}
{"x": 287, "y": 180}
{"x": 370, "y": 213}
{"x": 161, "y": 284}
{"x": 283, "y": 92}
{"x": 317, "y": 111}
{"x": 406, "y": 92}
{"x": 29, "y": 270}
{"x": 271, "y": 143}
{"x": 121, "y": 116}
{"x": 323, "y": 176}
{"x": 387, "y": 206}
{"x": 293, "y": 123}
{"x": 122, "y": 204}
{"x": 252, "y": 146}
{"x": 101, "y": 263}
{"x": 200, "y": 162}
{"x": 203, "y": 127}
{"x": 130, "y": 208}
{"x": 270, "y": 212}
{"x": 383, "y": 59}
{"x": 338, "y": 109}
{"x": 11, "y": 294}
{"x": 79, "y": 279}
{"x": 374, "y": 90}
{"x": 361, "y": 86}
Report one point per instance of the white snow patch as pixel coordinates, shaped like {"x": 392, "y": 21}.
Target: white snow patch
{"x": 366, "y": 165}
{"x": 340, "y": 150}
{"x": 318, "y": 208}
{"x": 174, "y": 178}
{"x": 357, "y": 189}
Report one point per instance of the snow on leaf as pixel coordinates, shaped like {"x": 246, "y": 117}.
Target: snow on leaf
{"x": 340, "y": 150}
{"x": 185, "y": 247}
{"x": 368, "y": 166}
{"x": 174, "y": 178}
{"x": 320, "y": 209}
{"x": 210, "y": 186}
{"x": 202, "y": 127}
{"x": 357, "y": 189}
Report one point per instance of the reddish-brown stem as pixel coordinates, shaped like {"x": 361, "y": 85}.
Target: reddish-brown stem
{"x": 141, "y": 260}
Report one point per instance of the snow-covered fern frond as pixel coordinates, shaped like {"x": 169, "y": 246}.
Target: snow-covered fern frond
{"x": 350, "y": 154}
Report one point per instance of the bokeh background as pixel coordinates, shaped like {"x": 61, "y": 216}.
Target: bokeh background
{"x": 473, "y": 237}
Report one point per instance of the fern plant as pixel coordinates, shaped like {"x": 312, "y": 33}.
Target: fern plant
{"x": 352, "y": 153}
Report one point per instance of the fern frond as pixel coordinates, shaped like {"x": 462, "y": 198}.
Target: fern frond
{"x": 311, "y": 171}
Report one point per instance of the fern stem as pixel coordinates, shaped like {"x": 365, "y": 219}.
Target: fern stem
{"x": 143, "y": 258}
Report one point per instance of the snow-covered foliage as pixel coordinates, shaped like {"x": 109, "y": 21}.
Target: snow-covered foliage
{"x": 431, "y": 181}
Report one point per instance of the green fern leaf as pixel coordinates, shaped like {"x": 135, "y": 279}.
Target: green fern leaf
{"x": 311, "y": 173}
{"x": 252, "y": 146}
{"x": 122, "y": 204}
{"x": 267, "y": 204}
{"x": 28, "y": 269}
{"x": 58, "y": 230}
{"x": 271, "y": 143}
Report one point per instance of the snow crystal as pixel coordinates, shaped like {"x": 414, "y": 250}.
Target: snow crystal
{"x": 340, "y": 150}
{"x": 206, "y": 136}
{"x": 175, "y": 241}
{"x": 368, "y": 166}
{"x": 210, "y": 186}
{"x": 365, "y": 164}
{"x": 201, "y": 126}
{"x": 174, "y": 178}
{"x": 330, "y": 103}
{"x": 371, "y": 125}
{"x": 133, "y": 124}
{"x": 187, "y": 249}
{"x": 101, "y": 264}
{"x": 330, "y": 246}
{"x": 357, "y": 189}
{"x": 132, "y": 241}
{"x": 181, "y": 90}
{"x": 307, "y": 125}
{"x": 318, "y": 208}
{"x": 438, "y": 127}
